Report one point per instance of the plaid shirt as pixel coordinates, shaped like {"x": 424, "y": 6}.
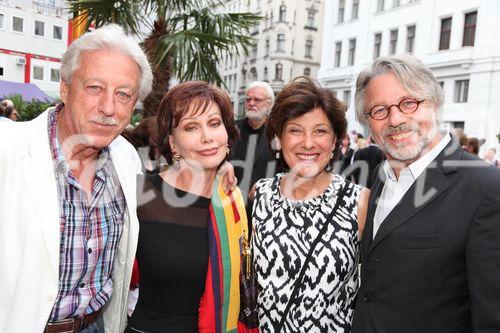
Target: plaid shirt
{"x": 90, "y": 230}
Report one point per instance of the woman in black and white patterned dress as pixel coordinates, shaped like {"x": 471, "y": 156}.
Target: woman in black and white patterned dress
{"x": 290, "y": 210}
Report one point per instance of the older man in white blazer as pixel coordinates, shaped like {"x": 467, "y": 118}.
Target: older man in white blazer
{"x": 68, "y": 227}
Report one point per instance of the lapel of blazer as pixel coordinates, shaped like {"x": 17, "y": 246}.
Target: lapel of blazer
{"x": 37, "y": 169}
{"x": 261, "y": 146}
{"x": 126, "y": 172}
{"x": 376, "y": 190}
{"x": 426, "y": 188}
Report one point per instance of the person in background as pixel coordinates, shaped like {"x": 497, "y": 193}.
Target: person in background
{"x": 7, "y": 102}
{"x": 491, "y": 157}
{"x": 345, "y": 153}
{"x": 472, "y": 146}
{"x": 291, "y": 209}
{"x": 190, "y": 231}
{"x": 366, "y": 161}
{"x": 68, "y": 224}
{"x": 2, "y": 115}
{"x": 10, "y": 112}
{"x": 251, "y": 157}
{"x": 431, "y": 243}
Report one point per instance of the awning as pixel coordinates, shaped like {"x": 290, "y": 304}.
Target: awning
{"x": 28, "y": 91}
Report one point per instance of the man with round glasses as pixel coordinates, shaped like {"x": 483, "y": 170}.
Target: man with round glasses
{"x": 431, "y": 245}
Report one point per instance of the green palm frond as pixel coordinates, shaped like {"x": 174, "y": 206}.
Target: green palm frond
{"x": 201, "y": 38}
{"x": 129, "y": 14}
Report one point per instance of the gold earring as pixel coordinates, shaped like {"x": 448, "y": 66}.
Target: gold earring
{"x": 176, "y": 157}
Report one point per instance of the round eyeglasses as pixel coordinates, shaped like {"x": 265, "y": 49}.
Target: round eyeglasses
{"x": 407, "y": 106}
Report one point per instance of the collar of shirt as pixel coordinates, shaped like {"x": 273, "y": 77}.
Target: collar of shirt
{"x": 394, "y": 189}
{"x": 59, "y": 160}
{"x": 417, "y": 167}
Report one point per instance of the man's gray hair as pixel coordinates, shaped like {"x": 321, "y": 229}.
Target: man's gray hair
{"x": 264, "y": 85}
{"x": 413, "y": 75}
{"x": 109, "y": 37}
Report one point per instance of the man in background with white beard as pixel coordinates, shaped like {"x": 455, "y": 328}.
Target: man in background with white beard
{"x": 250, "y": 156}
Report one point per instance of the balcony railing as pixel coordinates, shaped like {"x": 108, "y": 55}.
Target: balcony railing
{"x": 47, "y": 8}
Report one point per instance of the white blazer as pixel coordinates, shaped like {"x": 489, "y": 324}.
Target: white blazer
{"x": 29, "y": 228}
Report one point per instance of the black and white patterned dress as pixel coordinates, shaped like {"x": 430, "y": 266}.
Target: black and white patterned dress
{"x": 283, "y": 231}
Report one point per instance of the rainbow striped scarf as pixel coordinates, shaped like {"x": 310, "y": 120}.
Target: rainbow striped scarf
{"x": 220, "y": 304}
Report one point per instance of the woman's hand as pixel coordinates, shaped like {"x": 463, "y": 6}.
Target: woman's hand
{"x": 229, "y": 180}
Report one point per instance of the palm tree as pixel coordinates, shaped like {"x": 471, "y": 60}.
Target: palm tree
{"x": 186, "y": 38}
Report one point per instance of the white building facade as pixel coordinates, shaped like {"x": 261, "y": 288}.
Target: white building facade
{"x": 287, "y": 45}
{"x": 33, "y": 37}
{"x": 458, "y": 40}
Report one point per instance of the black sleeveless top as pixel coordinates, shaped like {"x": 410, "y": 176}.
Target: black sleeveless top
{"x": 172, "y": 254}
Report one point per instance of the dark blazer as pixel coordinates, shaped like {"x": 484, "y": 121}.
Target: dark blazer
{"x": 434, "y": 265}
{"x": 373, "y": 155}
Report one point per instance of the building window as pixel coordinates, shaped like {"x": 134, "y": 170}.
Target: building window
{"x": 396, "y": 3}
{"x": 461, "y": 91}
{"x": 309, "y": 46}
{"x": 57, "y": 32}
{"x": 282, "y": 16}
{"x": 347, "y": 97}
{"x": 444, "y": 35}
{"x": 253, "y": 74}
{"x": 380, "y": 5}
{"x": 393, "y": 44}
{"x": 340, "y": 14}
{"x": 39, "y": 28}
{"x": 38, "y": 73}
{"x": 267, "y": 46}
{"x": 254, "y": 50}
{"x": 410, "y": 38}
{"x": 376, "y": 45}
{"x": 2, "y": 19}
{"x": 17, "y": 24}
{"x": 338, "y": 53}
{"x": 307, "y": 71}
{"x": 265, "y": 74}
{"x": 278, "y": 75}
{"x": 458, "y": 124}
{"x": 355, "y": 9}
{"x": 470, "y": 29}
{"x": 352, "y": 51}
{"x": 310, "y": 18}
{"x": 280, "y": 45}
{"x": 55, "y": 75}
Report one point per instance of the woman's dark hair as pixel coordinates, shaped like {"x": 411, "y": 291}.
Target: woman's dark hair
{"x": 302, "y": 96}
{"x": 178, "y": 100}
{"x": 8, "y": 111}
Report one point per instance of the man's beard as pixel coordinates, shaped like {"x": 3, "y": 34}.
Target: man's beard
{"x": 257, "y": 115}
{"x": 409, "y": 153}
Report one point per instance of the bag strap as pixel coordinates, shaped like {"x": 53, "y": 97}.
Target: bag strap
{"x": 309, "y": 256}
